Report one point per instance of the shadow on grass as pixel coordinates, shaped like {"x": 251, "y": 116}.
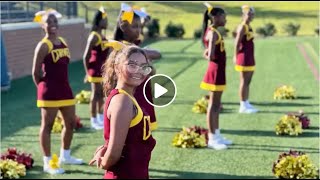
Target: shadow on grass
{"x": 283, "y": 112}
{"x": 274, "y": 146}
{"x": 37, "y": 173}
{"x": 275, "y": 103}
{"x": 270, "y": 150}
{"x": 313, "y": 128}
{"x": 199, "y": 175}
{"x": 168, "y": 129}
{"x": 84, "y": 172}
{"x": 305, "y": 97}
{"x": 267, "y": 133}
{"x": 281, "y": 104}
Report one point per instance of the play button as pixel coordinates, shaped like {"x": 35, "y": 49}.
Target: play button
{"x": 159, "y": 90}
{"x": 163, "y": 90}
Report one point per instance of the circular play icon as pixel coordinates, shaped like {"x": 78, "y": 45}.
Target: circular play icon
{"x": 164, "y": 90}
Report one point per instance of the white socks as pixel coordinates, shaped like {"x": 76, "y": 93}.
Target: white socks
{"x": 214, "y": 136}
{"x": 93, "y": 120}
{"x": 243, "y": 103}
{"x": 46, "y": 160}
{"x": 65, "y": 153}
{"x": 217, "y": 132}
{"x": 100, "y": 118}
{"x": 95, "y": 124}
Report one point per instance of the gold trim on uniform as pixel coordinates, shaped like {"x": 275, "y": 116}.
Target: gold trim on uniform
{"x": 248, "y": 33}
{"x": 244, "y": 68}
{"x": 212, "y": 87}
{"x": 146, "y": 122}
{"x": 57, "y": 53}
{"x": 57, "y": 103}
{"x": 220, "y": 40}
{"x": 139, "y": 115}
{"x": 94, "y": 79}
{"x": 99, "y": 37}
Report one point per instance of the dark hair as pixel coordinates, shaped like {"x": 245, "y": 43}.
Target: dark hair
{"x": 118, "y": 33}
{"x": 96, "y": 20}
{"x": 216, "y": 11}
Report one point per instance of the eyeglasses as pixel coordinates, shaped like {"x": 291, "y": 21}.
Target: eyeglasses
{"x": 134, "y": 68}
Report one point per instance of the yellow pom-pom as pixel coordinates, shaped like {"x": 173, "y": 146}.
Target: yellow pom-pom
{"x": 188, "y": 138}
{"x": 284, "y": 92}
{"x": 289, "y": 125}
{"x": 57, "y": 125}
{"x": 200, "y": 106}
{"x": 295, "y": 165}
{"x": 54, "y": 162}
{"x": 11, "y": 169}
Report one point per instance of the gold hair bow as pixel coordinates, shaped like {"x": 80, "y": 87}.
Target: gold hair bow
{"x": 246, "y": 8}
{"x": 41, "y": 15}
{"x": 209, "y": 6}
{"x": 103, "y": 11}
{"x": 128, "y": 12}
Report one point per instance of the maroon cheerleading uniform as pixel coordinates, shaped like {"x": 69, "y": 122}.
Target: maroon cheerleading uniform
{"x": 142, "y": 100}
{"x": 215, "y": 77}
{"x": 245, "y": 55}
{"x": 99, "y": 54}
{"x": 144, "y": 103}
{"x": 136, "y": 153}
{"x": 54, "y": 90}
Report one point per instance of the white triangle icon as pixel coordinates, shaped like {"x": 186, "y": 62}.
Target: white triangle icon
{"x": 159, "y": 90}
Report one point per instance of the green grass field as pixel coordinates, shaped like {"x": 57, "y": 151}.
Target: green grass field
{"x": 256, "y": 145}
{"x": 190, "y": 14}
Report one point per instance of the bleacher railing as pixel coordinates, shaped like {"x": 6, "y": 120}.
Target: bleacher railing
{"x": 23, "y": 11}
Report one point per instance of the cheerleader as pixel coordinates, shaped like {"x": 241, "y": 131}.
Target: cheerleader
{"x": 244, "y": 58}
{"x": 127, "y": 127}
{"x": 54, "y": 93}
{"x": 215, "y": 77}
{"x": 128, "y": 31}
{"x": 95, "y": 54}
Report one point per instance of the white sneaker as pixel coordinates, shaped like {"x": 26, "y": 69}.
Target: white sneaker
{"x": 247, "y": 110}
{"x": 96, "y": 126}
{"x": 100, "y": 120}
{"x": 216, "y": 144}
{"x": 225, "y": 141}
{"x": 251, "y": 107}
{"x": 53, "y": 171}
{"x": 70, "y": 160}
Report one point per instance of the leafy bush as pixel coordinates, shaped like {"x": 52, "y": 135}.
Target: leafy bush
{"x": 197, "y": 33}
{"x": 234, "y": 32}
{"x": 316, "y": 30}
{"x": 153, "y": 28}
{"x": 267, "y": 30}
{"x": 174, "y": 30}
{"x": 223, "y": 31}
{"x": 291, "y": 28}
